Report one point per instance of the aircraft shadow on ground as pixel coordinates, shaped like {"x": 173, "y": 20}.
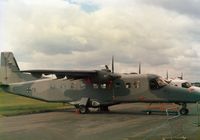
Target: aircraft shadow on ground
{"x": 120, "y": 112}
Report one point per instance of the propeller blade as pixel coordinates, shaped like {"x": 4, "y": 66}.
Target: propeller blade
{"x": 139, "y": 67}
{"x": 106, "y": 66}
{"x": 181, "y": 76}
{"x": 113, "y": 64}
{"x": 167, "y": 75}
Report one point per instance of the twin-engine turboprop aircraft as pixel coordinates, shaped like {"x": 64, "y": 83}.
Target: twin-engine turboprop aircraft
{"x": 93, "y": 88}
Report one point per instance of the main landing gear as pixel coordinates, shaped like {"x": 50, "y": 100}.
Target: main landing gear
{"x": 84, "y": 109}
{"x": 103, "y": 109}
{"x": 85, "y": 103}
{"x": 184, "y": 110}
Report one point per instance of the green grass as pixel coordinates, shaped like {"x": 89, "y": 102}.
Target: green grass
{"x": 14, "y": 105}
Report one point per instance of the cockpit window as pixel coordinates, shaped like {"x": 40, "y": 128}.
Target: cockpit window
{"x": 186, "y": 85}
{"x": 161, "y": 82}
{"x": 157, "y": 83}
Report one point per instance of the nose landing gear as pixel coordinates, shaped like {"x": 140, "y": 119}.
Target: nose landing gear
{"x": 103, "y": 109}
{"x": 184, "y": 110}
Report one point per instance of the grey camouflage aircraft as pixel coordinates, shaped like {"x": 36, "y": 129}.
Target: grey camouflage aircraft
{"x": 91, "y": 88}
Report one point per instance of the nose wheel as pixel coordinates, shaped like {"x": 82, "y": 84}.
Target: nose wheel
{"x": 103, "y": 109}
{"x": 184, "y": 110}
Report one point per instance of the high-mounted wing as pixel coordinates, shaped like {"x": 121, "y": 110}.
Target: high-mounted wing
{"x": 71, "y": 74}
{"x": 96, "y": 75}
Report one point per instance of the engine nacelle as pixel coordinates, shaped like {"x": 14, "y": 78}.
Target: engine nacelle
{"x": 104, "y": 76}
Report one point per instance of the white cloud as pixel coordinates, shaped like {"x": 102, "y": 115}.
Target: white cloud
{"x": 2, "y": 25}
{"x": 185, "y": 7}
{"x": 62, "y": 34}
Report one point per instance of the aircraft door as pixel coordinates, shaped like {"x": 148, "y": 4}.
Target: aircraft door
{"x": 119, "y": 88}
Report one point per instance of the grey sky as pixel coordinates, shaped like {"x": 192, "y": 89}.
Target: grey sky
{"x": 184, "y": 7}
{"x": 84, "y": 34}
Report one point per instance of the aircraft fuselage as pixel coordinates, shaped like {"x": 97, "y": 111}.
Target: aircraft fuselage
{"x": 129, "y": 88}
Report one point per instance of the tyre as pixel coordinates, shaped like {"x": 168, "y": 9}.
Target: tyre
{"x": 184, "y": 111}
{"x": 83, "y": 109}
{"x": 148, "y": 112}
{"x": 104, "y": 109}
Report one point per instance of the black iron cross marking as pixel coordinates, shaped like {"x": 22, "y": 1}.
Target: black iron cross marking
{"x": 28, "y": 90}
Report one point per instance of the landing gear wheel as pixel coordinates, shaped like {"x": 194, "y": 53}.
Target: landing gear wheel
{"x": 104, "y": 108}
{"x": 83, "y": 109}
{"x": 148, "y": 112}
{"x": 184, "y": 111}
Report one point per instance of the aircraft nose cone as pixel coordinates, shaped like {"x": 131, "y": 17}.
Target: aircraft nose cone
{"x": 196, "y": 92}
{"x": 190, "y": 95}
{"x": 195, "y": 89}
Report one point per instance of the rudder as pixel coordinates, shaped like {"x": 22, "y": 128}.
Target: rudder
{"x": 10, "y": 72}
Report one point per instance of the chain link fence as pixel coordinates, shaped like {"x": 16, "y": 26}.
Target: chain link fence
{"x": 177, "y": 126}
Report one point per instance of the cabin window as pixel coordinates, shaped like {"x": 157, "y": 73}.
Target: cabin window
{"x": 117, "y": 85}
{"x": 103, "y": 86}
{"x": 128, "y": 85}
{"x": 136, "y": 84}
{"x": 82, "y": 86}
{"x": 95, "y": 86}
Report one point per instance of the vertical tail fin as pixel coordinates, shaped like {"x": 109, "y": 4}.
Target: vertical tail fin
{"x": 9, "y": 71}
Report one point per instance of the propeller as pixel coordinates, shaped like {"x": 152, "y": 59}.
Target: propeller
{"x": 167, "y": 78}
{"x": 167, "y": 75}
{"x": 139, "y": 68}
{"x": 106, "y": 66}
{"x": 113, "y": 64}
{"x": 107, "y": 74}
{"x": 181, "y": 77}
